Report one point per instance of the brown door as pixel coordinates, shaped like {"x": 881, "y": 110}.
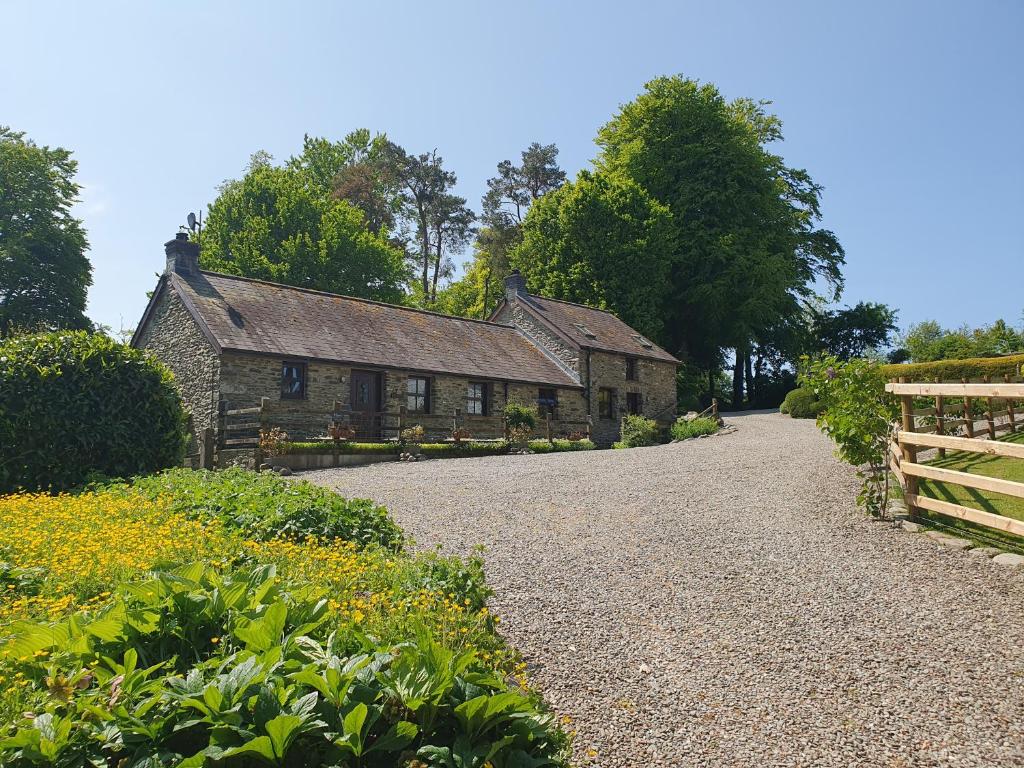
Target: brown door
{"x": 366, "y": 402}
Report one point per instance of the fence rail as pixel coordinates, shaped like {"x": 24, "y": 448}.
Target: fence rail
{"x": 927, "y": 428}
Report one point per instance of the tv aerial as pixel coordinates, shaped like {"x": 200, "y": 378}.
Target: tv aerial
{"x": 195, "y": 223}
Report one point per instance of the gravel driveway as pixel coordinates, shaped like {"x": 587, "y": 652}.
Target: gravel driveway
{"x": 721, "y": 602}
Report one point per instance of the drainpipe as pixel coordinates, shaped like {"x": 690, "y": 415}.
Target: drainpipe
{"x": 586, "y": 388}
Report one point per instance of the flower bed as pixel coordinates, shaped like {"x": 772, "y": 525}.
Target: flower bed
{"x": 452, "y": 450}
{"x": 163, "y": 622}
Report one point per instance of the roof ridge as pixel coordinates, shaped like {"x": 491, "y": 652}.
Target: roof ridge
{"x": 357, "y": 298}
{"x": 575, "y": 304}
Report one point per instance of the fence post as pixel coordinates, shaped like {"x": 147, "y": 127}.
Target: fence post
{"x": 940, "y": 422}
{"x": 222, "y": 407}
{"x": 968, "y": 414}
{"x": 1009, "y": 407}
{"x": 714, "y": 408}
{"x": 991, "y": 412}
{"x": 257, "y": 455}
{"x": 909, "y": 451}
{"x": 547, "y": 425}
{"x": 206, "y": 449}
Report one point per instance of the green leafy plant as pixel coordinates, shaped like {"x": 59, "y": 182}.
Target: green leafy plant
{"x": 74, "y": 405}
{"x": 858, "y": 415}
{"x": 637, "y": 432}
{"x": 682, "y": 429}
{"x": 273, "y": 441}
{"x": 413, "y": 435}
{"x": 264, "y": 506}
{"x": 520, "y": 421}
{"x": 802, "y": 403}
{"x": 560, "y": 444}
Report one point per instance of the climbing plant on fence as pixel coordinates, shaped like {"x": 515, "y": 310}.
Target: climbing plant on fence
{"x": 858, "y": 415}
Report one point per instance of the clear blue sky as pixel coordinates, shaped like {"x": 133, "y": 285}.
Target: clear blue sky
{"x": 909, "y": 113}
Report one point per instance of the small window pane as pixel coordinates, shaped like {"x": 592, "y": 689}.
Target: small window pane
{"x": 476, "y": 400}
{"x": 293, "y": 380}
{"x": 605, "y": 403}
{"x": 547, "y": 402}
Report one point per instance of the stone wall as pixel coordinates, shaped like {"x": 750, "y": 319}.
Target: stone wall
{"x": 173, "y": 337}
{"x": 655, "y": 381}
{"x": 564, "y": 354}
{"x": 245, "y": 379}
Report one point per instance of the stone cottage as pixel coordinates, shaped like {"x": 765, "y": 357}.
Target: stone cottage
{"x": 233, "y": 341}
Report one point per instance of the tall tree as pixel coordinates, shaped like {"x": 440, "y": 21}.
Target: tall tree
{"x": 451, "y": 228}
{"x": 601, "y": 240}
{"x": 44, "y": 273}
{"x": 438, "y": 219}
{"x": 505, "y": 204}
{"x": 284, "y": 224}
{"x": 852, "y": 331}
{"x": 747, "y": 242}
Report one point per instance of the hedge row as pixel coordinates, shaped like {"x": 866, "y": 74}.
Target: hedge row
{"x": 465, "y": 448}
{"x": 954, "y": 370}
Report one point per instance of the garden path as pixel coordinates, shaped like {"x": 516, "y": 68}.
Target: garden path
{"x": 722, "y": 602}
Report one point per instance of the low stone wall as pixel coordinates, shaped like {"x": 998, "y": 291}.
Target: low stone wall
{"x": 302, "y": 461}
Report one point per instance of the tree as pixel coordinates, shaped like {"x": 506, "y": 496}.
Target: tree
{"x": 928, "y": 341}
{"x": 746, "y": 242}
{"x": 505, "y": 205}
{"x": 601, "y": 240}
{"x": 44, "y": 273}
{"x": 283, "y": 224}
{"x": 451, "y": 227}
{"x": 850, "y": 332}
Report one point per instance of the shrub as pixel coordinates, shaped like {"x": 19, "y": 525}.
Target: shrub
{"x": 637, "y": 431}
{"x": 559, "y": 444}
{"x": 74, "y": 405}
{"x": 858, "y": 415}
{"x": 801, "y": 403}
{"x": 466, "y": 448}
{"x": 413, "y": 435}
{"x": 954, "y": 370}
{"x": 681, "y": 429}
{"x": 263, "y": 506}
{"x": 342, "y": 447}
{"x": 520, "y": 421}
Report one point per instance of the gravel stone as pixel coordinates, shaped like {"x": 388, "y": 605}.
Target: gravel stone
{"x": 724, "y": 603}
{"x": 985, "y": 551}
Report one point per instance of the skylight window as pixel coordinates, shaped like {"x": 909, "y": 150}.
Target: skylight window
{"x": 643, "y": 341}
{"x": 585, "y": 331}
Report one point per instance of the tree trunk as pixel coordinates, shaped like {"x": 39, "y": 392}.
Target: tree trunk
{"x": 737, "y": 380}
{"x": 487, "y": 293}
{"x": 437, "y": 268}
{"x": 711, "y": 385}
{"x": 749, "y": 372}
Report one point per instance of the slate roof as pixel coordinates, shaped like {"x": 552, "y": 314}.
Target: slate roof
{"x": 245, "y": 315}
{"x": 597, "y": 329}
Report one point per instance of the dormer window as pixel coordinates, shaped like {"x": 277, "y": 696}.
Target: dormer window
{"x": 585, "y": 331}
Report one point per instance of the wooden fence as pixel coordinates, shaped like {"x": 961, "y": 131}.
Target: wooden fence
{"x": 985, "y": 410}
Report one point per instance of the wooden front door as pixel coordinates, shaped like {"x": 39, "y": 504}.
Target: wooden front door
{"x": 366, "y": 402}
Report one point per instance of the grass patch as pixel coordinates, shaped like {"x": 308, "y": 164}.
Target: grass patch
{"x": 996, "y": 503}
{"x": 682, "y": 430}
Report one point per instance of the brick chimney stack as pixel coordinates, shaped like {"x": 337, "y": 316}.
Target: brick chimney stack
{"x": 182, "y": 255}
{"x": 515, "y": 285}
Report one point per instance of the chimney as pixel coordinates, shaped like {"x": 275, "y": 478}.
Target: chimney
{"x": 515, "y": 285}
{"x": 182, "y": 255}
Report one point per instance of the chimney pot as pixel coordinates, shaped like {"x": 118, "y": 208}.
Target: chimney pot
{"x": 182, "y": 255}
{"x": 515, "y": 285}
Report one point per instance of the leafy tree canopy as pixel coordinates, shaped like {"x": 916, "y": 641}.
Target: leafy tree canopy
{"x": 746, "y": 242}
{"x": 601, "y": 240}
{"x": 928, "y": 341}
{"x": 852, "y": 331}
{"x": 286, "y": 225}
{"x": 44, "y": 273}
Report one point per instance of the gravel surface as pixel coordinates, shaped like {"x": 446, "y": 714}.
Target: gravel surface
{"x": 722, "y": 602}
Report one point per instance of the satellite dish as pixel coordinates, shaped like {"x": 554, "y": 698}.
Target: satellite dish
{"x": 191, "y": 221}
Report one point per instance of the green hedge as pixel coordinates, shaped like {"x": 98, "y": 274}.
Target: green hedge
{"x": 558, "y": 445}
{"x": 436, "y": 450}
{"x": 954, "y": 370}
{"x": 637, "y": 432}
{"x": 75, "y": 405}
{"x": 801, "y": 403}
